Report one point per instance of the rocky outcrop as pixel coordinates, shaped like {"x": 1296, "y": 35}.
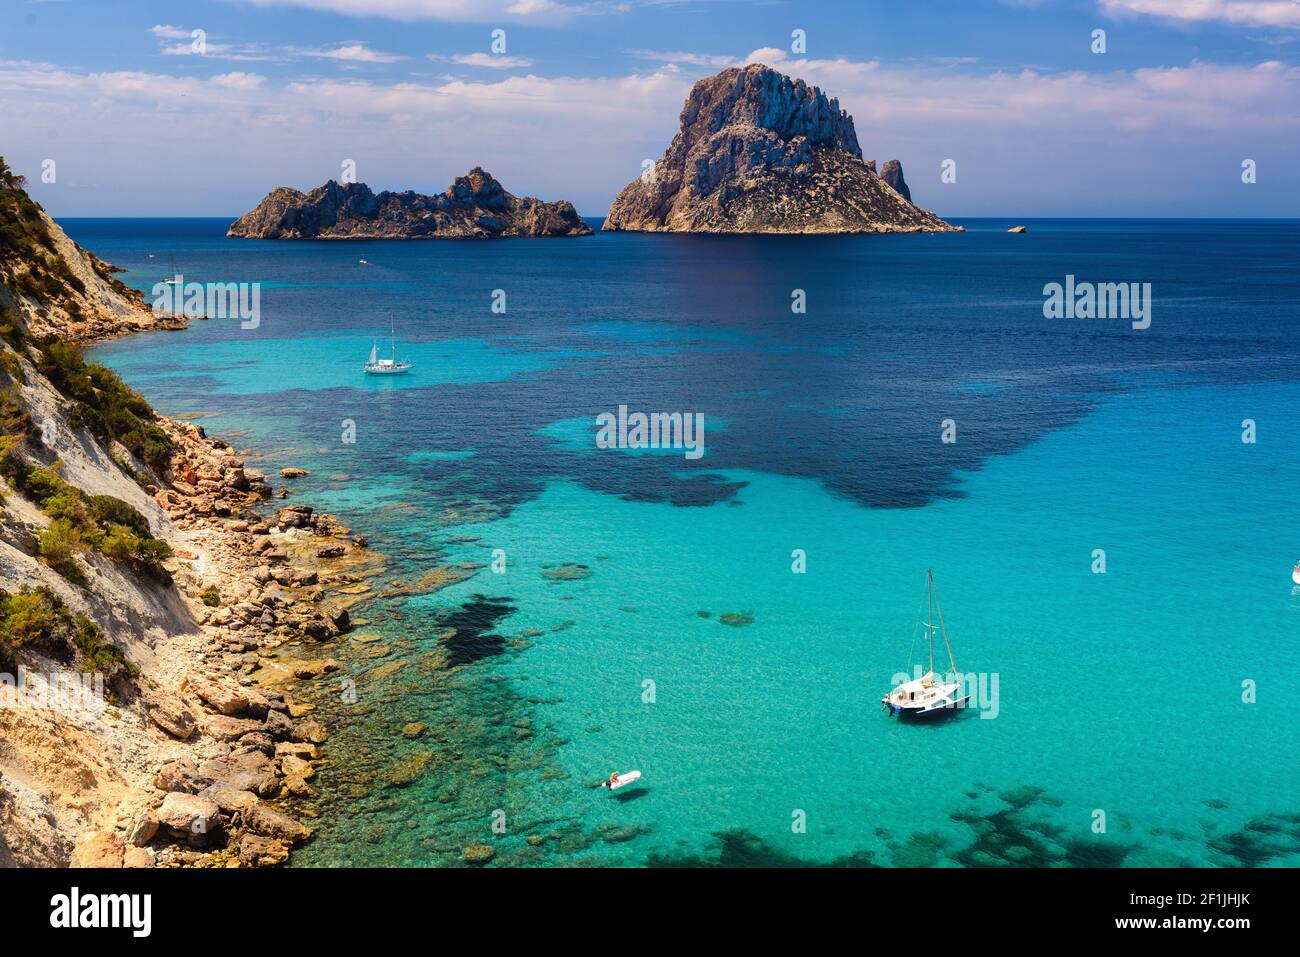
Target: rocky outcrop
{"x": 191, "y": 760}
{"x": 759, "y": 152}
{"x": 892, "y": 173}
{"x": 54, "y": 285}
{"x": 475, "y": 206}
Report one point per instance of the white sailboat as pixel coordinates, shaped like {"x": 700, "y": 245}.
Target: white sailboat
{"x": 390, "y": 366}
{"x": 175, "y": 278}
{"x": 928, "y": 694}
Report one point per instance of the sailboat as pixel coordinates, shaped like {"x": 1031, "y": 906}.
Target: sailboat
{"x": 390, "y": 366}
{"x": 175, "y": 278}
{"x": 928, "y": 694}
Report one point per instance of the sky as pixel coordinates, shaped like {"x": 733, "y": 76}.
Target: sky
{"x": 142, "y": 116}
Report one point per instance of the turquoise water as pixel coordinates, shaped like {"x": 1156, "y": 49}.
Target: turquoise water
{"x": 1119, "y": 692}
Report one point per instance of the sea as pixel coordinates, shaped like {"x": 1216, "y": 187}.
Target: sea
{"x": 1108, "y": 513}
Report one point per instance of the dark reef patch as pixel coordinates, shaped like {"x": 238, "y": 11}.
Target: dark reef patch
{"x": 467, "y": 630}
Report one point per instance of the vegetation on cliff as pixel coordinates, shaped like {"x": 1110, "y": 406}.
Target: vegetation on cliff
{"x": 38, "y": 620}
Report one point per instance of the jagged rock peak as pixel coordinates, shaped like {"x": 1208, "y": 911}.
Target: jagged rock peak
{"x": 892, "y": 173}
{"x": 758, "y": 151}
{"x": 759, "y": 96}
{"x": 475, "y": 205}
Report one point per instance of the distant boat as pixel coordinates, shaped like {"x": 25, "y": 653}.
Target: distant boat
{"x": 390, "y": 366}
{"x": 928, "y": 694}
{"x": 363, "y": 262}
{"x": 1295, "y": 573}
{"x": 617, "y": 781}
{"x": 175, "y": 278}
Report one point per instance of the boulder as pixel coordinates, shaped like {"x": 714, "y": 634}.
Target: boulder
{"x": 188, "y": 814}
{"x": 144, "y": 829}
{"x": 138, "y": 857}
{"x": 168, "y": 712}
{"x": 268, "y": 822}
{"x": 309, "y": 731}
{"x": 246, "y": 771}
{"x": 98, "y": 849}
{"x": 179, "y": 775}
{"x": 230, "y": 800}
{"x": 258, "y": 851}
{"x": 293, "y": 516}
{"x": 227, "y": 700}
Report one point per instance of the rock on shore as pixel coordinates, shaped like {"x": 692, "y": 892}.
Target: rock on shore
{"x": 759, "y": 152}
{"x": 200, "y": 754}
{"x": 475, "y": 206}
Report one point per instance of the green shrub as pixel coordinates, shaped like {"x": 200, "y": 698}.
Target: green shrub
{"x": 210, "y": 596}
{"x": 39, "y": 620}
{"x": 106, "y": 405}
{"x": 60, "y": 544}
{"x": 33, "y": 619}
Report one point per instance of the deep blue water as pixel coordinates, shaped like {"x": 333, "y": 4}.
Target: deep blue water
{"x": 1120, "y": 692}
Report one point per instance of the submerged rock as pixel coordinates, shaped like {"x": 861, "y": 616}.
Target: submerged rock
{"x": 566, "y": 573}
{"x": 478, "y": 854}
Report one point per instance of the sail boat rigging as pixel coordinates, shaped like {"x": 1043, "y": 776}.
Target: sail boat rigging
{"x": 928, "y": 694}
{"x": 390, "y": 366}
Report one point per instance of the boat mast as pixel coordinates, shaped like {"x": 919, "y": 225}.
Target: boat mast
{"x": 929, "y": 603}
{"x": 944, "y": 629}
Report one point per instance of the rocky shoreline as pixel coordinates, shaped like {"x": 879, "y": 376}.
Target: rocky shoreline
{"x": 235, "y": 692}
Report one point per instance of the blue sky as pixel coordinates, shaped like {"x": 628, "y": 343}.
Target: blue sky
{"x": 141, "y": 120}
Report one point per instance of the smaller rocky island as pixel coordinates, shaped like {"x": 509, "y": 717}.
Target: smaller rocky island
{"x": 475, "y": 206}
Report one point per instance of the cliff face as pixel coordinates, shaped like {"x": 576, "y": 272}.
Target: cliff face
{"x": 760, "y": 152}
{"x": 131, "y": 595}
{"x": 475, "y": 206}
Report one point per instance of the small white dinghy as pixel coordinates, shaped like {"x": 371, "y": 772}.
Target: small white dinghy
{"x": 617, "y": 781}
{"x": 1295, "y": 573}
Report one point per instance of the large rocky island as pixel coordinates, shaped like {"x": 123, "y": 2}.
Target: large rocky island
{"x": 475, "y": 206}
{"x": 759, "y": 152}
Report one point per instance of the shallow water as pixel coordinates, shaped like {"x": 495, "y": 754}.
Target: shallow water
{"x": 1118, "y": 692}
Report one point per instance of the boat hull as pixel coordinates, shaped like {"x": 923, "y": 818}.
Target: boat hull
{"x": 929, "y": 711}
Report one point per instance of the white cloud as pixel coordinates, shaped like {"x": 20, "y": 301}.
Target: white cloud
{"x": 1259, "y": 13}
{"x": 478, "y": 11}
{"x": 167, "y": 32}
{"x": 353, "y": 52}
{"x": 717, "y": 60}
{"x": 1026, "y": 141}
{"x": 493, "y": 61}
{"x": 765, "y": 55}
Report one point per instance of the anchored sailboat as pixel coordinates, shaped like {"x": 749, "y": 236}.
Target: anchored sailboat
{"x": 390, "y": 366}
{"x": 928, "y": 694}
